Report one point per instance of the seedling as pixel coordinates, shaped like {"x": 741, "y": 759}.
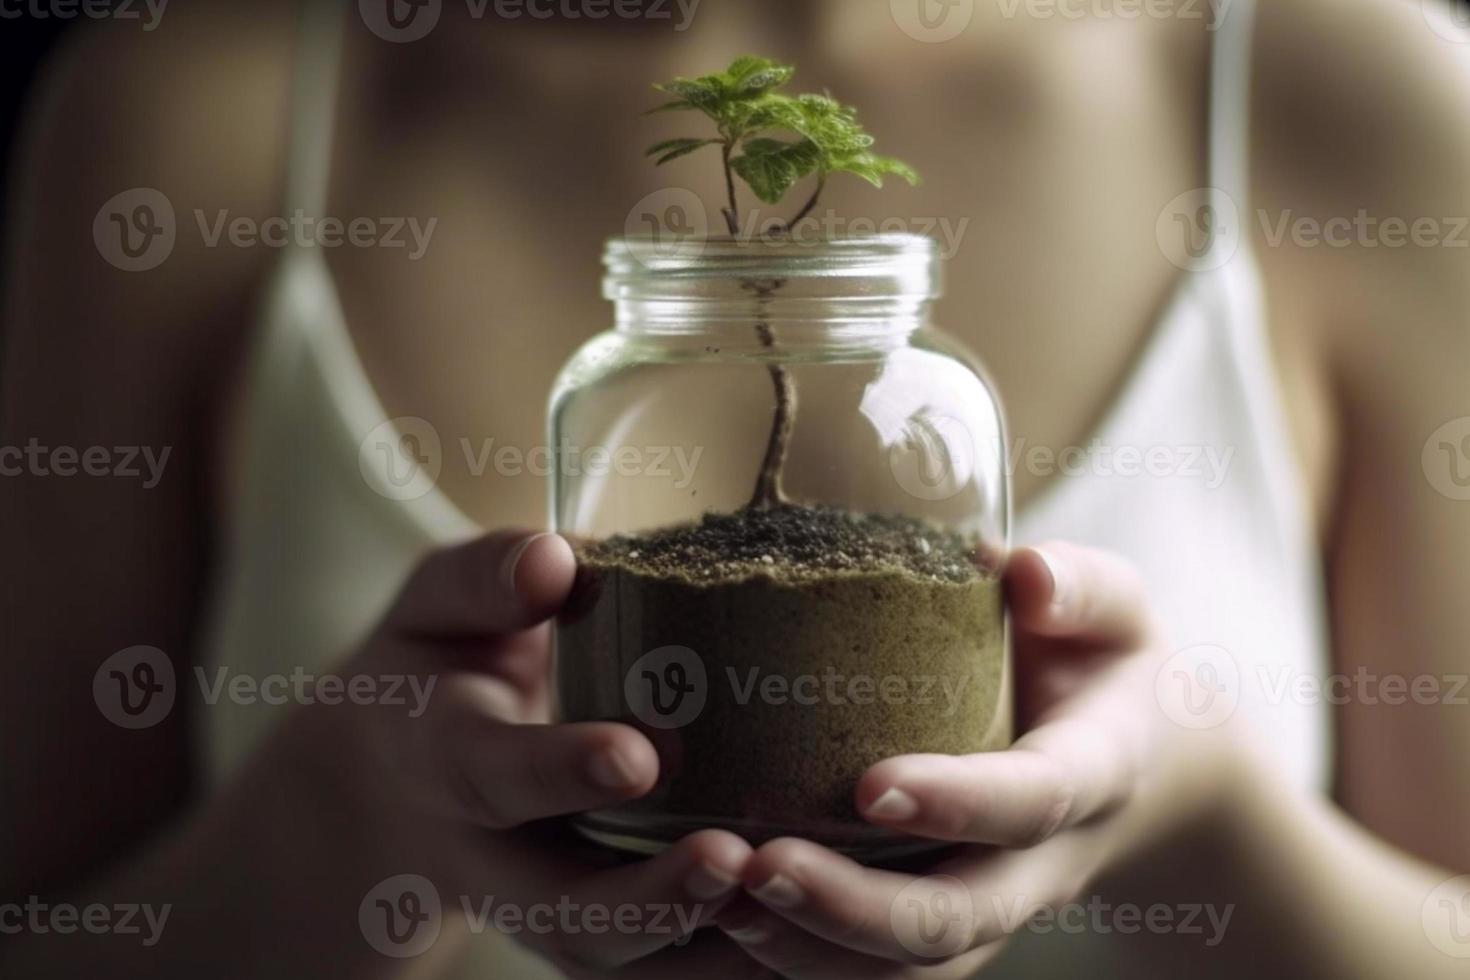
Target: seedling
{"x": 824, "y": 137}
{"x": 746, "y": 107}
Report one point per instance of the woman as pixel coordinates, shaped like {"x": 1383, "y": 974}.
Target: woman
{"x": 1330, "y": 834}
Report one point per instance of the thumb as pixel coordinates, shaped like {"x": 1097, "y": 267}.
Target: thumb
{"x": 1065, "y": 591}
{"x": 500, "y": 583}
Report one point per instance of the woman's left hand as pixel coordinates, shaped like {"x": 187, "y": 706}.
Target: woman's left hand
{"x": 1099, "y": 772}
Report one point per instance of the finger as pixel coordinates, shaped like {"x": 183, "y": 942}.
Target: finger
{"x": 506, "y": 775}
{"x": 708, "y": 954}
{"x": 1056, "y": 776}
{"x": 1067, "y": 591}
{"x": 651, "y": 905}
{"x": 797, "y": 954}
{"x": 833, "y": 897}
{"x": 500, "y": 583}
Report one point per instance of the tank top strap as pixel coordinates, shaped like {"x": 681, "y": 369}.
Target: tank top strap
{"x": 1229, "y": 101}
{"x": 313, "y": 106}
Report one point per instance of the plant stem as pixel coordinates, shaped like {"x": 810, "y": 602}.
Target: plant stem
{"x": 768, "y": 493}
{"x": 732, "y": 220}
{"x": 811, "y": 202}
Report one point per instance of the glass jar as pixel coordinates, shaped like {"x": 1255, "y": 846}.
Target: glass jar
{"x": 789, "y": 500}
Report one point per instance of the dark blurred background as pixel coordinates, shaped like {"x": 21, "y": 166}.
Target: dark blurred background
{"x": 26, "y": 41}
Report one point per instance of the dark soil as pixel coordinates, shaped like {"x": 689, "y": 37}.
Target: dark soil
{"x": 792, "y": 542}
{"x": 889, "y": 607}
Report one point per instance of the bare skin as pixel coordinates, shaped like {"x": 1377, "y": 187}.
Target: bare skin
{"x": 1358, "y": 106}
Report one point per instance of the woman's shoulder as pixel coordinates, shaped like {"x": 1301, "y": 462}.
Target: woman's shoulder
{"x": 1362, "y": 149}
{"x": 183, "y": 119}
{"x": 133, "y": 143}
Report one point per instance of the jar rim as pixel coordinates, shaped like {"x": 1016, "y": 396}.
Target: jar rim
{"x": 891, "y": 265}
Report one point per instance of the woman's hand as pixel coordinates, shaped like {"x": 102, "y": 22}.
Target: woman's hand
{"x": 1098, "y": 772}
{"x": 454, "y": 794}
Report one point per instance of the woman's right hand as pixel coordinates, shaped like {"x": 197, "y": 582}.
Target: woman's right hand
{"x": 456, "y": 793}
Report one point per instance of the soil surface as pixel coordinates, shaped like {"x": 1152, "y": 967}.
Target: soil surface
{"x": 818, "y": 642}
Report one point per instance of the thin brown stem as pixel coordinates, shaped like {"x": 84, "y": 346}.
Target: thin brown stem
{"x": 811, "y": 203}
{"x": 768, "y": 492}
{"x": 732, "y": 219}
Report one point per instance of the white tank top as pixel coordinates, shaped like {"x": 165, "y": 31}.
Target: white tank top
{"x": 315, "y": 550}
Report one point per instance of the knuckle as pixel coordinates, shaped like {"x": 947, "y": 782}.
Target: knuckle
{"x": 471, "y": 796}
{"x": 1055, "y": 807}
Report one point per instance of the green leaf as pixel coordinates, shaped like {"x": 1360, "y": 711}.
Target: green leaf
{"x": 675, "y": 106}
{"x": 766, "y": 79}
{"x": 747, "y": 65}
{"x": 704, "y": 93}
{"x": 771, "y": 111}
{"x": 770, "y": 166}
{"x": 674, "y": 149}
{"x": 746, "y": 109}
{"x": 749, "y": 76}
{"x": 664, "y": 145}
{"x": 874, "y": 168}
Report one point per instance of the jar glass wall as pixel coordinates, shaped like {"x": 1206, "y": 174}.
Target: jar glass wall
{"x": 789, "y": 500}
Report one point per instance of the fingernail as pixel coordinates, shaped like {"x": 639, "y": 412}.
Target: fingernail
{"x": 512, "y": 560}
{"x": 707, "y": 881}
{"x": 610, "y": 770}
{"x": 895, "y": 805}
{"x": 749, "y": 935}
{"x": 1061, "y": 585}
{"x": 779, "y": 891}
